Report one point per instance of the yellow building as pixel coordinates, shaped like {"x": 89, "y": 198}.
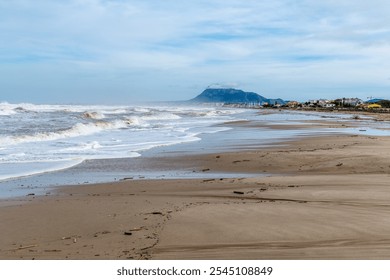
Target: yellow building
{"x": 374, "y": 106}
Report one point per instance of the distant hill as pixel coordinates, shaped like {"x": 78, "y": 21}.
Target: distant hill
{"x": 231, "y": 95}
{"x": 375, "y": 100}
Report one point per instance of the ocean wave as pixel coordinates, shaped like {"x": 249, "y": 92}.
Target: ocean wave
{"x": 133, "y": 121}
{"x": 160, "y": 116}
{"x": 29, "y": 107}
{"x": 208, "y": 113}
{"x": 141, "y": 110}
{"x": 94, "y": 115}
{"x": 93, "y": 145}
{"x": 7, "y": 109}
{"x": 21, "y": 107}
{"x": 114, "y": 111}
{"x": 79, "y": 129}
{"x": 7, "y": 112}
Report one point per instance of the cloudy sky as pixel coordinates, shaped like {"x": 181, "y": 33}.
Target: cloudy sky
{"x": 124, "y": 51}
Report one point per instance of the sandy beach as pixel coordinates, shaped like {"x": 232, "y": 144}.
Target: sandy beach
{"x": 324, "y": 197}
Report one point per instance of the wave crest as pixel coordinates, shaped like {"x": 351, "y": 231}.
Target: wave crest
{"x": 79, "y": 129}
{"x": 94, "y": 115}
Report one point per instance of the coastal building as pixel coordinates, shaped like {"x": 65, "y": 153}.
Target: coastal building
{"x": 348, "y": 102}
{"x": 293, "y": 104}
{"x": 374, "y": 106}
{"x": 325, "y": 103}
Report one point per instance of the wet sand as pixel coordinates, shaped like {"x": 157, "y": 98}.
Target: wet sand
{"x": 322, "y": 197}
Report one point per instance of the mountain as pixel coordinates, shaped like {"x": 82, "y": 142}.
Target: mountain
{"x": 375, "y": 100}
{"x": 231, "y": 95}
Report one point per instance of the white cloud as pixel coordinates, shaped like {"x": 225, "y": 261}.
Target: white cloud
{"x": 273, "y": 45}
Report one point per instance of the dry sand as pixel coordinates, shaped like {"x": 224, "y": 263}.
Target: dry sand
{"x": 320, "y": 198}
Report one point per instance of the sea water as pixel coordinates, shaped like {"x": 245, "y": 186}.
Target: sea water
{"x": 41, "y": 138}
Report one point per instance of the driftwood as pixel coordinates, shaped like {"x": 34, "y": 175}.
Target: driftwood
{"x": 137, "y": 229}
{"x": 208, "y": 180}
{"x": 26, "y": 247}
{"x": 237, "y": 192}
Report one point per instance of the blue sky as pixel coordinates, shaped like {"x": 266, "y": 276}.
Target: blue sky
{"x": 124, "y": 51}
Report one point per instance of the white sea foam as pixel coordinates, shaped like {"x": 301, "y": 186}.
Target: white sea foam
{"x": 94, "y": 115}
{"x": 114, "y": 111}
{"x": 83, "y": 147}
{"x": 79, "y": 129}
{"x": 134, "y": 121}
{"x": 160, "y": 116}
{"x": 6, "y": 109}
{"x": 64, "y": 108}
{"x": 28, "y": 168}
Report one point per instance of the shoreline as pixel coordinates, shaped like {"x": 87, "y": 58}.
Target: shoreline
{"x": 250, "y": 136}
{"x": 329, "y": 201}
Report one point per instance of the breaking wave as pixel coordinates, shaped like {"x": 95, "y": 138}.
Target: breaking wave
{"x": 94, "y": 115}
{"x": 79, "y": 129}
